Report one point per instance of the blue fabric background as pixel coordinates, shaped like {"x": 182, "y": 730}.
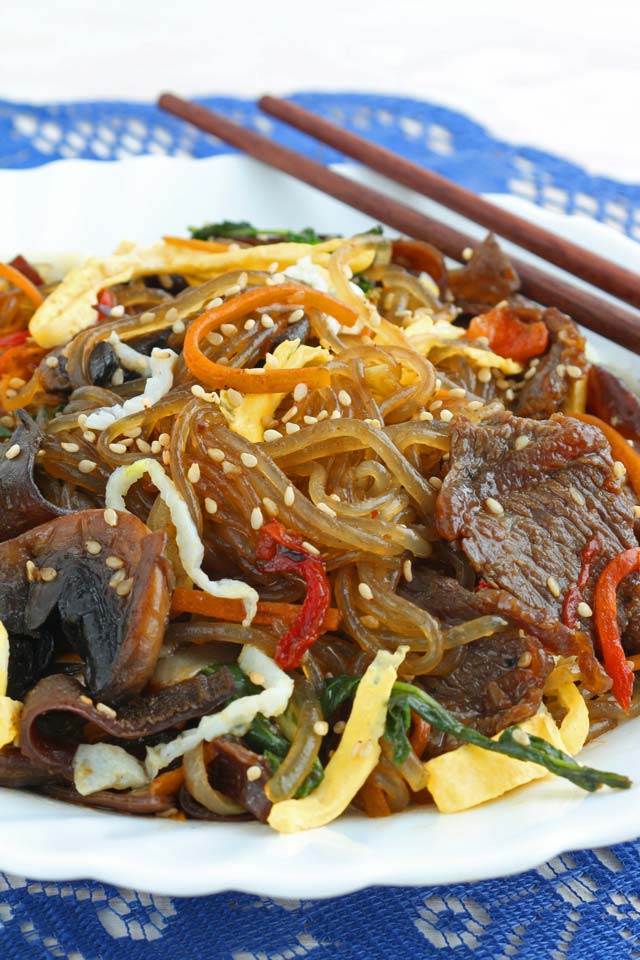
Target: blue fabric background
{"x": 581, "y": 906}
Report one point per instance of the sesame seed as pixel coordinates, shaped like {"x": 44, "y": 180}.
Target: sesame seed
{"x": 531, "y": 372}
{"x": 249, "y": 459}
{"x": 325, "y": 508}
{"x": 309, "y": 420}
{"x": 323, "y": 415}
{"x": 156, "y": 446}
{"x": 371, "y": 623}
{"x": 292, "y": 428}
{"x": 300, "y": 392}
{"x": 229, "y": 468}
{"x": 425, "y": 415}
{"x": 467, "y": 253}
{"x": 87, "y": 466}
{"x": 215, "y": 339}
{"x": 272, "y": 435}
{"x": 70, "y": 447}
{"x": 164, "y": 440}
{"x": 16, "y": 383}
{"x": 574, "y": 372}
{"x": 232, "y": 290}
{"x": 85, "y": 699}
{"x": 210, "y": 505}
{"x": 484, "y": 375}
{"x": 407, "y": 571}
{"x": 249, "y": 324}
{"x": 266, "y": 321}
{"x": 48, "y": 574}
{"x": 291, "y": 412}
{"x": 254, "y": 772}
{"x": 296, "y": 315}
{"x": 433, "y": 407}
{"x": 554, "y": 586}
{"x": 270, "y": 506}
{"x": 13, "y": 451}
{"x": 494, "y": 506}
{"x": 561, "y": 369}
{"x": 193, "y": 473}
{"x": 446, "y": 415}
{"x": 273, "y": 267}
{"x": 110, "y": 517}
{"x": 310, "y": 548}
{"x": 257, "y": 678}
{"x": 525, "y": 659}
{"x": 11, "y": 393}
{"x": 143, "y": 446}
{"x": 166, "y": 457}
{"x": 584, "y": 610}
{"x": 93, "y": 547}
{"x": 216, "y": 302}
{"x": 335, "y": 415}
{"x": 339, "y": 726}
{"x": 234, "y": 397}
{"x": 125, "y": 587}
{"x": 118, "y": 378}
{"x": 367, "y": 748}
{"x": 289, "y": 496}
{"x": 435, "y": 482}
{"x": 82, "y": 419}
{"x": 365, "y": 591}
{"x": 334, "y": 496}
{"x": 117, "y": 448}
{"x": 178, "y": 327}
{"x": 32, "y": 571}
{"x": 521, "y": 442}
{"x": 117, "y": 311}
{"x": 344, "y": 398}
{"x": 52, "y": 362}
{"x": 619, "y": 469}
{"x": 89, "y": 436}
{"x": 509, "y": 394}
{"x": 228, "y": 330}
{"x": 117, "y": 578}
{"x": 502, "y": 384}
{"x": 577, "y": 497}
{"x": 216, "y": 454}
{"x": 257, "y": 518}
{"x": 458, "y": 392}
{"x": 106, "y": 711}
{"x": 114, "y": 563}
{"x": 321, "y": 728}
{"x": 521, "y": 737}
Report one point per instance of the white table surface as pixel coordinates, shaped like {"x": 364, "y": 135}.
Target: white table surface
{"x": 558, "y": 74}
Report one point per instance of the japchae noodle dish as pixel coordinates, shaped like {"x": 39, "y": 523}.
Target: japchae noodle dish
{"x": 294, "y": 523}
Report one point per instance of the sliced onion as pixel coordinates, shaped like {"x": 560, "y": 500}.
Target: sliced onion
{"x": 197, "y": 782}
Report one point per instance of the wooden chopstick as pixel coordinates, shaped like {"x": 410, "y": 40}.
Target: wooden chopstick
{"x": 609, "y": 319}
{"x": 577, "y": 260}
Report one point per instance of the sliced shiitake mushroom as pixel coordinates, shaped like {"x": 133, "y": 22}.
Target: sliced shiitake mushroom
{"x": 95, "y": 582}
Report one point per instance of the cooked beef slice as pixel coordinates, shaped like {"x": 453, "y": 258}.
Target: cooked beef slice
{"x": 546, "y": 392}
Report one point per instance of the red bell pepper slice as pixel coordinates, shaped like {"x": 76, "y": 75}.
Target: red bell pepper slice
{"x": 606, "y": 620}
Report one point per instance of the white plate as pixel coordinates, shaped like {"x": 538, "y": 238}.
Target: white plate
{"x": 79, "y": 205}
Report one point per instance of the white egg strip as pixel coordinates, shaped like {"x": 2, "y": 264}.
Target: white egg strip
{"x": 190, "y": 546}
{"x": 158, "y": 368}
{"x": 104, "y": 766}
{"x": 234, "y": 719}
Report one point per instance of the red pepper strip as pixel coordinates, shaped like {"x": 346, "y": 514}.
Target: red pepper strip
{"x": 106, "y": 301}
{"x": 590, "y": 551}
{"x": 281, "y": 551}
{"x": 606, "y": 620}
{"x": 508, "y": 335}
{"x": 27, "y": 270}
{"x": 13, "y": 339}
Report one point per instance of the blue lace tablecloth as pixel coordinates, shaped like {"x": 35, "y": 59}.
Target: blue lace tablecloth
{"x": 581, "y": 906}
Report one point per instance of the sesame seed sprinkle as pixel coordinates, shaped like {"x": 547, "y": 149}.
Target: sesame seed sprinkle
{"x": 577, "y": 497}
{"x": 106, "y": 711}
{"x": 339, "y": 726}
{"x": 272, "y": 435}
{"x": 234, "y": 397}
{"x": 229, "y": 468}
{"x": 407, "y": 571}
{"x": 125, "y": 587}
{"x": 292, "y": 428}
{"x": 584, "y": 610}
{"x": 215, "y": 339}
{"x": 249, "y": 324}
{"x": 114, "y": 563}
{"x": 117, "y": 578}
{"x": 270, "y": 506}
{"x": 110, "y": 517}
{"x": 228, "y": 330}
{"x": 117, "y": 311}
{"x": 371, "y": 623}
{"x": 446, "y": 415}
{"x": 87, "y": 466}
{"x": 69, "y": 447}
{"x": 216, "y": 454}
{"x": 300, "y": 392}
{"x": 325, "y": 508}
{"x": 494, "y": 506}
{"x": 574, "y": 372}
{"x": 52, "y": 362}
{"x": 193, "y": 473}
{"x": 433, "y": 407}
{"x": 216, "y": 302}
{"x": 344, "y": 398}
{"x": 521, "y": 442}
{"x": 48, "y": 574}
{"x": 178, "y": 327}
{"x": 553, "y": 586}
{"x": 289, "y": 496}
{"x": 273, "y": 267}
{"x": 525, "y": 659}
{"x": 636, "y": 512}
{"x": 254, "y": 772}
{"x": 435, "y": 482}
{"x": 32, "y": 571}
{"x": 484, "y": 375}
{"x": 13, "y": 451}
{"x": 257, "y": 678}
{"x": 291, "y": 412}
{"x": 365, "y": 591}
{"x": 117, "y": 448}
{"x": 521, "y": 737}
{"x": 118, "y": 378}
{"x": 425, "y": 415}
{"x": 296, "y": 315}
{"x": 210, "y": 505}
{"x": 561, "y": 369}
{"x": 310, "y": 548}
{"x": 89, "y": 436}
{"x": 257, "y": 518}
{"x": 458, "y": 392}
{"x": 93, "y": 547}
{"x": 266, "y": 321}
{"x": 321, "y": 728}
{"x": 249, "y": 459}
{"x": 619, "y": 469}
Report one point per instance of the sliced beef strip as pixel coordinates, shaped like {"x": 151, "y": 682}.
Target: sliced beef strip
{"x": 556, "y": 494}
{"x": 546, "y": 392}
{"x": 485, "y": 280}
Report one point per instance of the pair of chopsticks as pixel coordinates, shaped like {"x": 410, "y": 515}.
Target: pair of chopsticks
{"x": 608, "y": 318}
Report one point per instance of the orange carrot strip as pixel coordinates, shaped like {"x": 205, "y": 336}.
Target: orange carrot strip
{"x": 23, "y": 283}
{"x": 196, "y": 601}
{"x": 167, "y": 783}
{"x": 619, "y": 448}
{"x": 207, "y": 245}
{"x": 217, "y": 376}
{"x": 508, "y": 335}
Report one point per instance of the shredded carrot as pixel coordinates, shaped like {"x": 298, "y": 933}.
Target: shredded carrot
{"x": 620, "y": 449}
{"x": 167, "y": 784}
{"x": 207, "y": 245}
{"x": 23, "y": 283}
{"x": 267, "y": 380}
{"x": 374, "y": 800}
{"x": 508, "y": 335}
{"x": 196, "y": 601}
{"x": 20, "y": 361}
